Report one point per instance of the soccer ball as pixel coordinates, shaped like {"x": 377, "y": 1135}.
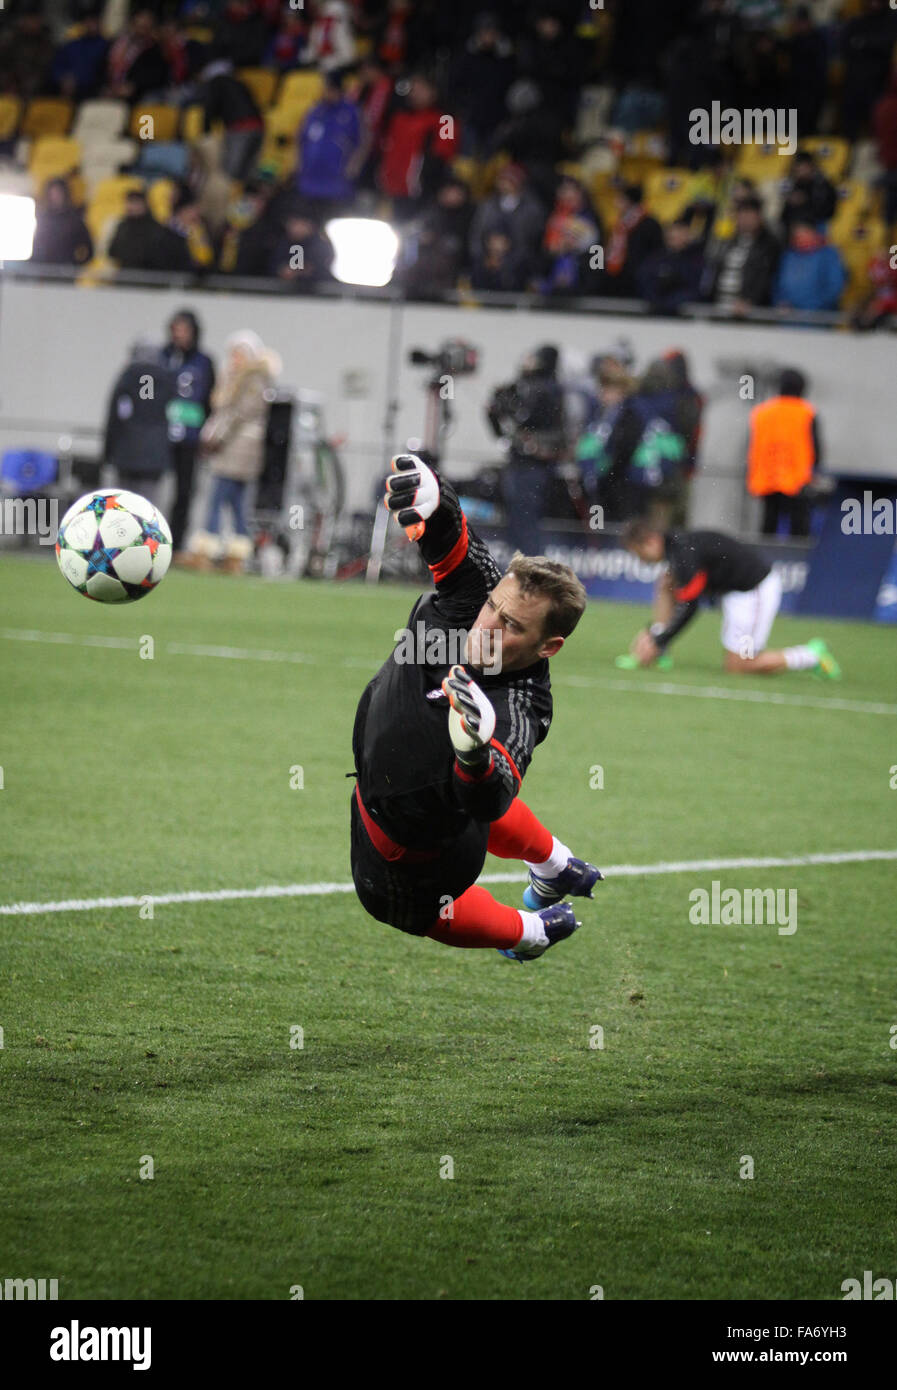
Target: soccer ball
{"x": 113, "y": 546}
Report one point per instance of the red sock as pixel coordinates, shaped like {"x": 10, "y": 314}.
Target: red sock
{"x": 478, "y": 920}
{"x": 519, "y": 835}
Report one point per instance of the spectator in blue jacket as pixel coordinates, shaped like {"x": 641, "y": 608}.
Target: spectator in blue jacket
{"x": 811, "y": 273}
{"x": 187, "y": 409}
{"x": 79, "y": 67}
{"x": 330, "y": 142}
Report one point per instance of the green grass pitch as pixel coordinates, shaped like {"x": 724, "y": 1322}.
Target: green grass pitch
{"x": 574, "y": 1166}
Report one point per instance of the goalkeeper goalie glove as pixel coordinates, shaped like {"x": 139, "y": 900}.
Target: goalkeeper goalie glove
{"x": 412, "y": 492}
{"x": 471, "y": 718}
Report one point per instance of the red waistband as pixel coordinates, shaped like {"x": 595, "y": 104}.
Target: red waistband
{"x": 389, "y": 849}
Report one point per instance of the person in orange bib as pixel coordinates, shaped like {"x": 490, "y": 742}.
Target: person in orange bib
{"x": 783, "y": 454}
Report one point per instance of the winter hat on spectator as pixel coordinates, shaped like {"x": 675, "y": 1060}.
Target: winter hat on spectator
{"x": 250, "y": 343}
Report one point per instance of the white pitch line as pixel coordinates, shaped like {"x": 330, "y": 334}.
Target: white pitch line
{"x": 646, "y": 687}
{"x": 718, "y": 692}
{"x": 309, "y": 890}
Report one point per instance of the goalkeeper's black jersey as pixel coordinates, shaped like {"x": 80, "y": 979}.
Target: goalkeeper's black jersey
{"x": 408, "y": 778}
{"x": 706, "y": 564}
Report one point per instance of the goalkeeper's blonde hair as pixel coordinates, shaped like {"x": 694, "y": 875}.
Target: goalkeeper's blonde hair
{"x": 567, "y": 598}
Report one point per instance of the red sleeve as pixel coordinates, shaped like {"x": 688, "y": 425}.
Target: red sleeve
{"x": 690, "y": 591}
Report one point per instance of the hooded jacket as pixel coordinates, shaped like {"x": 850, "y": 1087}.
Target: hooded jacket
{"x": 234, "y": 434}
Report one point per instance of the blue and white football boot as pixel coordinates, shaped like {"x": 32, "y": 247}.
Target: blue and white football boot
{"x": 576, "y": 880}
{"x": 559, "y": 921}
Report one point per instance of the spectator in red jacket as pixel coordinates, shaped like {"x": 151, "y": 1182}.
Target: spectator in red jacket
{"x": 419, "y": 145}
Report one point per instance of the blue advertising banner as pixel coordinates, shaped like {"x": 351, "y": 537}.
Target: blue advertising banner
{"x": 607, "y": 571}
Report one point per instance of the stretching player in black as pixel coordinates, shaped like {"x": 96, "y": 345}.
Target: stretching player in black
{"x": 440, "y": 757}
{"x": 707, "y": 565}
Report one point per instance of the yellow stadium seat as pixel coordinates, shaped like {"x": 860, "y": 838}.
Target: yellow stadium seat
{"x": 604, "y": 196}
{"x": 637, "y": 168}
{"x": 10, "y": 115}
{"x": 192, "y": 123}
{"x": 47, "y": 116}
{"x": 467, "y": 169}
{"x": 290, "y": 115}
{"x": 761, "y": 163}
{"x": 155, "y": 122}
{"x": 856, "y": 201}
{"x": 300, "y": 89}
{"x": 284, "y": 121}
{"x": 262, "y": 83}
{"x": 108, "y": 201}
{"x": 160, "y": 197}
{"x": 865, "y": 240}
{"x": 832, "y": 154}
{"x": 278, "y": 151}
{"x": 53, "y": 156}
{"x": 490, "y": 172}
{"x": 646, "y": 144}
{"x": 667, "y": 192}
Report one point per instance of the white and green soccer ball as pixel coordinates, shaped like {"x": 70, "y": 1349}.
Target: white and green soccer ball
{"x": 113, "y": 546}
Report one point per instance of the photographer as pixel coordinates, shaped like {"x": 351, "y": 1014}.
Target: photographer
{"x": 529, "y": 414}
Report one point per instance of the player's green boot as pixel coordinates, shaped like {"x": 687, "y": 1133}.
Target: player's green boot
{"x": 826, "y": 667}
{"x": 628, "y": 662}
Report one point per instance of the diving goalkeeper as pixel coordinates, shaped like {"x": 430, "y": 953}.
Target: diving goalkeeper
{"x": 441, "y": 748}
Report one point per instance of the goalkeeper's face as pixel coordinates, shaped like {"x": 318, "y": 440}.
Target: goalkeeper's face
{"x": 509, "y": 632}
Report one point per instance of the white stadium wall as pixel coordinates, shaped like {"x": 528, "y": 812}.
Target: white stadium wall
{"x": 61, "y": 347}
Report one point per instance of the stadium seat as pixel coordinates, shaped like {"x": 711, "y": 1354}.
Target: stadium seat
{"x": 637, "y": 168}
{"x": 278, "y": 152}
{"x": 108, "y": 203}
{"x": 300, "y": 89}
{"x": 104, "y": 160}
{"x": 856, "y": 203}
{"x": 10, "y": 115}
{"x": 100, "y": 121}
{"x": 262, "y": 83}
{"x": 46, "y": 116}
{"x": 601, "y": 187}
{"x": 831, "y": 152}
{"x": 168, "y": 158}
{"x": 160, "y": 197}
{"x": 158, "y": 122}
{"x": 865, "y": 240}
{"x": 667, "y": 192}
{"x": 469, "y": 170}
{"x": 490, "y": 171}
{"x": 593, "y": 114}
{"x": 289, "y": 115}
{"x": 53, "y": 156}
{"x": 192, "y": 124}
{"x": 761, "y": 163}
{"x": 28, "y": 470}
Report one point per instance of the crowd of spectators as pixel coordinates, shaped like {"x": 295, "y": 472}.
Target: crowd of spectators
{"x": 416, "y": 94}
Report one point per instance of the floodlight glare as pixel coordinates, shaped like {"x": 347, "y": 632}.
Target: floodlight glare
{"x": 17, "y": 224}
{"x": 365, "y": 250}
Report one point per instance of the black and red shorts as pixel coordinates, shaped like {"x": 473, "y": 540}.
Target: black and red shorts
{"x": 408, "y": 890}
